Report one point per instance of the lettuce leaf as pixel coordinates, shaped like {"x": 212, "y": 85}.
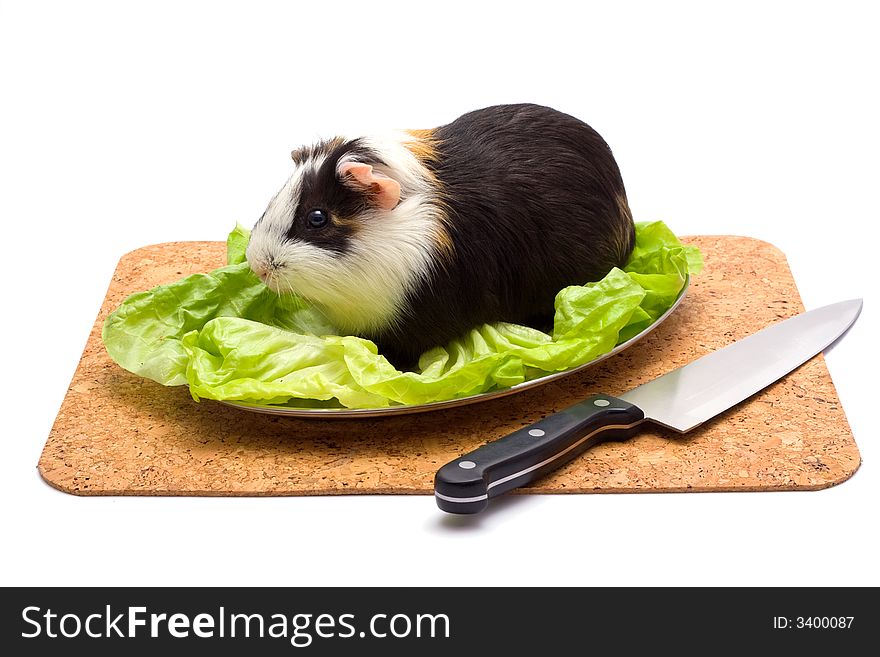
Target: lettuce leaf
{"x": 236, "y": 245}
{"x": 230, "y": 338}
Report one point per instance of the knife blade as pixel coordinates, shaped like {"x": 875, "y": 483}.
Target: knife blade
{"x": 681, "y": 400}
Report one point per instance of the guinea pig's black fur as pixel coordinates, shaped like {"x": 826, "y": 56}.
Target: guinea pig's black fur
{"x": 487, "y": 217}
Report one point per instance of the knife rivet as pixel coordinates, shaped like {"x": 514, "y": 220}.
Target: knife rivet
{"x": 467, "y": 465}
{"x": 601, "y": 402}
{"x": 536, "y": 433}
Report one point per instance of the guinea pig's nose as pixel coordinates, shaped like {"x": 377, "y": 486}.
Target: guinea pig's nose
{"x": 260, "y": 269}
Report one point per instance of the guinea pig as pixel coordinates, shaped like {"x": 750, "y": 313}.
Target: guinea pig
{"x": 413, "y": 238}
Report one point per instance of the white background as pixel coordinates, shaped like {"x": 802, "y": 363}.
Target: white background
{"x": 126, "y": 124}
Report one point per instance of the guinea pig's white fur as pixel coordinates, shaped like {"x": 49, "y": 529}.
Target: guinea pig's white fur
{"x": 363, "y": 289}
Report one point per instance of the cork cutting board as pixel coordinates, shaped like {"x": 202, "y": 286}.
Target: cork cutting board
{"x": 118, "y": 434}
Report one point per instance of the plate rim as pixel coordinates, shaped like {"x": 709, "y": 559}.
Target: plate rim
{"x": 391, "y": 411}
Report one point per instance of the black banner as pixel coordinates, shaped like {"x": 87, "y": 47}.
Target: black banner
{"x": 420, "y": 621}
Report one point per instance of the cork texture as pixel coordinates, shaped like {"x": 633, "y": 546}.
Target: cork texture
{"x": 119, "y": 434}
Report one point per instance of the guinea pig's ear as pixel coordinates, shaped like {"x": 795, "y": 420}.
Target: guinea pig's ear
{"x": 384, "y": 191}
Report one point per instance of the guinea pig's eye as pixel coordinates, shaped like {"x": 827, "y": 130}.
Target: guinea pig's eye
{"x": 317, "y": 219}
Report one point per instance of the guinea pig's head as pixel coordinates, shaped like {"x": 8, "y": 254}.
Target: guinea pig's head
{"x": 354, "y": 228}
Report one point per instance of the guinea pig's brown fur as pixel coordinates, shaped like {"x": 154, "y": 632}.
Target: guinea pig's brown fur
{"x": 413, "y": 238}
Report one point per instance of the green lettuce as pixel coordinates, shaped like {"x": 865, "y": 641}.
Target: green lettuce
{"x": 229, "y": 337}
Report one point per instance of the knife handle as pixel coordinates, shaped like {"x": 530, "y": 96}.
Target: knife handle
{"x": 466, "y": 484}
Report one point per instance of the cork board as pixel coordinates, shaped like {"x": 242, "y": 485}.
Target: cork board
{"x": 118, "y": 434}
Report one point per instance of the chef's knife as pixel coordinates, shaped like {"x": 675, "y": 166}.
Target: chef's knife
{"x": 680, "y": 400}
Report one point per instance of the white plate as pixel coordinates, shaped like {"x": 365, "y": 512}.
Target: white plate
{"x": 348, "y": 413}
